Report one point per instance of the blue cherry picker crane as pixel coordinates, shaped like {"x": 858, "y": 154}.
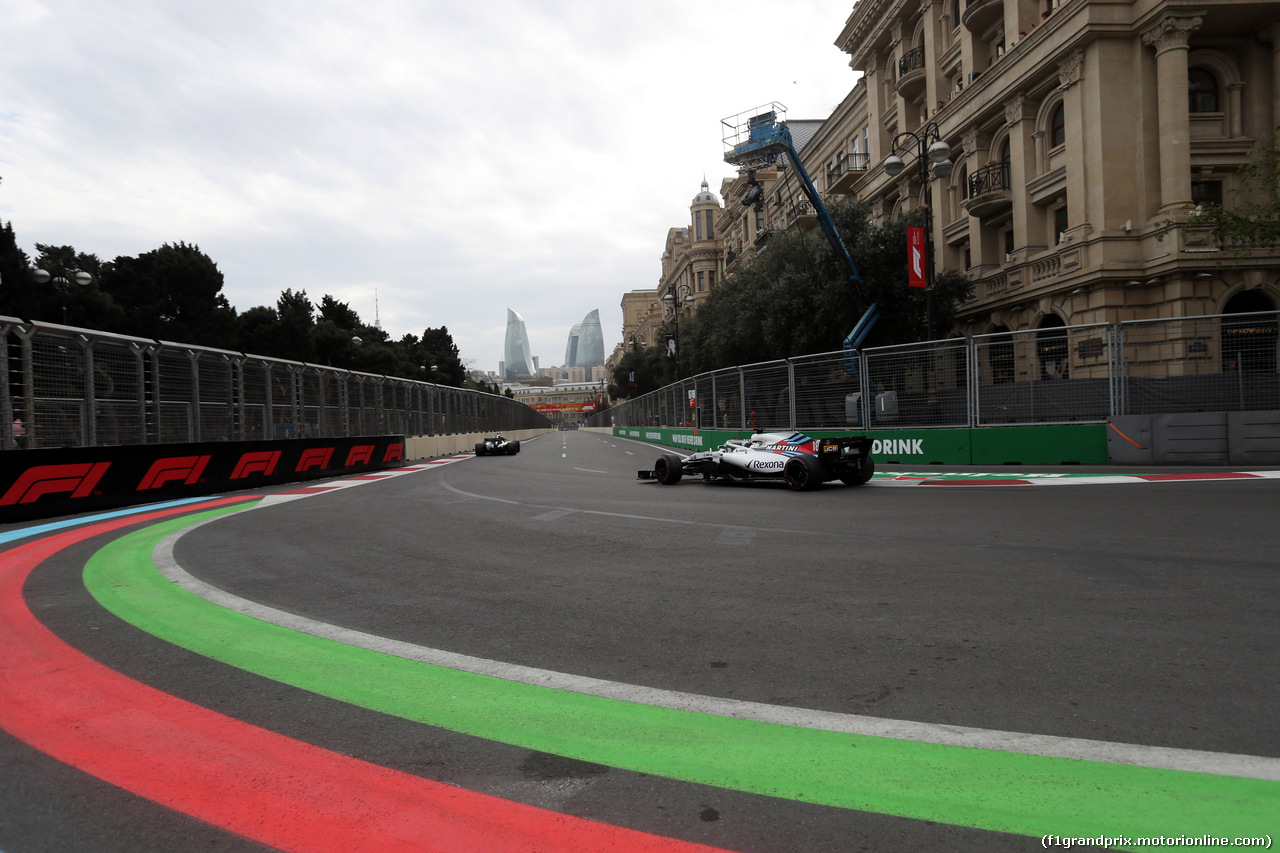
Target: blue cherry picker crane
{"x": 758, "y": 138}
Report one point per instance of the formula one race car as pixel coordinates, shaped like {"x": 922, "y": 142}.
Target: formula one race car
{"x": 803, "y": 463}
{"x": 496, "y": 445}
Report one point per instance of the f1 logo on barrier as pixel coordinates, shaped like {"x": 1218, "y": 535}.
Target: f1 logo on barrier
{"x": 263, "y": 462}
{"x": 360, "y": 454}
{"x": 78, "y": 479}
{"x": 315, "y": 457}
{"x": 394, "y": 451}
{"x": 185, "y": 468}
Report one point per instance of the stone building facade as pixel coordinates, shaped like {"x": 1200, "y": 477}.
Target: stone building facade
{"x": 1077, "y": 129}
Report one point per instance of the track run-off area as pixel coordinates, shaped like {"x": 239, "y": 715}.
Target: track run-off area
{"x": 540, "y": 652}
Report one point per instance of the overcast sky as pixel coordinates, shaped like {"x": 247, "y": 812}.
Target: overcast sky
{"x": 458, "y": 158}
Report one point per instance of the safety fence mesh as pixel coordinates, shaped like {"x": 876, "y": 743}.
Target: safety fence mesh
{"x": 66, "y": 387}
{"x": 1056, "y": 375}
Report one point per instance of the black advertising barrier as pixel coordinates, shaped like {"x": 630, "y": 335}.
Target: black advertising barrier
{"x": 44, "y": 483}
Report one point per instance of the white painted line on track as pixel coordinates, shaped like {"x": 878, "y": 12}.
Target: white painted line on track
{"x": 1228, "y": 764}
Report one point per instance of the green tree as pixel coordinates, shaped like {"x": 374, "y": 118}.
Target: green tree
{"x": 1252, "y": 220}
{"x": 85, "y": 306}
{"x": 258, "y": 328}
{"x": 173, "y": 293}
{"x": 440, "y": 355}
{"x": 17, "y": 288}
{"x": 645, "y": 364}
{"x": 296, "y": 318}
{"x": 795, "y": 297}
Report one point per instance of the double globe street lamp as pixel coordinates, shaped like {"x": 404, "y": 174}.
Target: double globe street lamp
{"x": 933, "y": 160}
{"x": 678, "y": 298}
{"x": 63, "y": 280}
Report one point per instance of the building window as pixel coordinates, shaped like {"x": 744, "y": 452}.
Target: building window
{"x": 1206, "y": 192}
{"x": 711, "y": 279}
{"x": 702, "y": 282}
{"x": 1057, "y": 127}
{"x": 1008, "y": 241}
{"x": 1059, "y": 223}
{"x": 1202, "y": 91}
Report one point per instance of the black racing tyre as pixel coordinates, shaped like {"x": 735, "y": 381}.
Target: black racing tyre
{"x": 803, "y": 473}
{"x": 859, "y": 473}
{"x": 668, "y": 469}
{"x": 513, "y": 448}
{"x": 480, "y": 448}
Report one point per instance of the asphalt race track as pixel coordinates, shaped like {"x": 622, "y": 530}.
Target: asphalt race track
{"x": 540, "y": 652}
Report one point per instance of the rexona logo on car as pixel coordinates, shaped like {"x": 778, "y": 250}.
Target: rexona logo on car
{"x": 78, "y": 478}
{"x": 185, "y": 468}
{"x": 314, "y": 457}
{"x": 360, "y": 454}
{"x": 766, "y": 464}
{"x": 897, "y": 446}
{"x": 261, "y": 462}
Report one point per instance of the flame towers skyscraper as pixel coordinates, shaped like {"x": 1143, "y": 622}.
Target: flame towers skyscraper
{"x": 517, "y": 359}
{"x": 586, "y": 343}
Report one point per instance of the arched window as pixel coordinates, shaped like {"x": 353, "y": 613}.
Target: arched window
{"x": 1058, "y": 126}
{"x": 1051, "y": 348}
{"x": 1249, "y": 342}
{"x": 1202, "y": 91}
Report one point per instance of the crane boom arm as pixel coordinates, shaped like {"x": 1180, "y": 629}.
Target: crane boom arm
{"x": 766, "y": 138}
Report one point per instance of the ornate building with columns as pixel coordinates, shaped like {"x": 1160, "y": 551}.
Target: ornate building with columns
{"x": 1077, "y": 129}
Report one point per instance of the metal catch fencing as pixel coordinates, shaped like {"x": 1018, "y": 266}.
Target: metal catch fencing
{"x": 1054, "y": 375}
{"x": 69, "y": 387}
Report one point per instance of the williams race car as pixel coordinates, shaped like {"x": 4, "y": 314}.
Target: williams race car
{"x": 497, "y": 445}
{"x": 803, "y": 463}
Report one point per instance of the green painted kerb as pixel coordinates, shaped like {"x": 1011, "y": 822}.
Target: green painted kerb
{"x": 1001, "y": 791}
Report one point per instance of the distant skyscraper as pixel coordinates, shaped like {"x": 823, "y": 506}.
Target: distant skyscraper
{"x": 586, "y": 343}
{"x": 517, "y": 359}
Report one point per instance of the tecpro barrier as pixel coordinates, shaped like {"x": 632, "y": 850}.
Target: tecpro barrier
{"x": 44, "y": 483}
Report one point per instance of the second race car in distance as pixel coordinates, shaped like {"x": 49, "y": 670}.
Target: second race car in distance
{"x": 497, "y": 445}
{"x": 802, "y": 462}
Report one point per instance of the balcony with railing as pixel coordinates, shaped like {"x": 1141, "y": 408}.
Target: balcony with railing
{"x": 988, "y": 191}
{"x": 979, "y": 15}
{"x": 911, "y": 76}
{"x": 846, "y": 171}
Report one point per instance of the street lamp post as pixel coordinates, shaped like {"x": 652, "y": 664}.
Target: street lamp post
{"x": 678, "y": 298}
{"x": 62, "y": 280}
{"x": 933, "y": 160}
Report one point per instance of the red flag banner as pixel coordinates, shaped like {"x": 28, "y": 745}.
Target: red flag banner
{"x": 915, "y": 256}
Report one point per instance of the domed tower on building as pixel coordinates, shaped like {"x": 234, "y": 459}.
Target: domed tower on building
{"x": 691, "y": 264}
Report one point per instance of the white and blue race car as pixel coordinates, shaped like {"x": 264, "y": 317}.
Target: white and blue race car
{"x": 802, "y": 462}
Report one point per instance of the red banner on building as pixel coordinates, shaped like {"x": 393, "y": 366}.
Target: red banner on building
{"x": 552, "y": 408}
{"x": 915, "y": 256}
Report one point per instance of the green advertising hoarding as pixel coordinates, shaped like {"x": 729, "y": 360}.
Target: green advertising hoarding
{"x": 1057, "y": 444}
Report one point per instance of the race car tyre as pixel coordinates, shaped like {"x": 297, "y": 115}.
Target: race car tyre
{"x": 803, "y": 473}
{"x": 480, "y": 448}
{"x": 513, "y": 448}
{"x": 856, "y": 475}
{"x": 668, "y": 469}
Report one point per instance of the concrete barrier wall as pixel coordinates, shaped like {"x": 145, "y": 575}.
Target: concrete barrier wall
{"x": 431, "y": 446}
{"x": 62, "y": 481}
{"x": 1201, "y": 438}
